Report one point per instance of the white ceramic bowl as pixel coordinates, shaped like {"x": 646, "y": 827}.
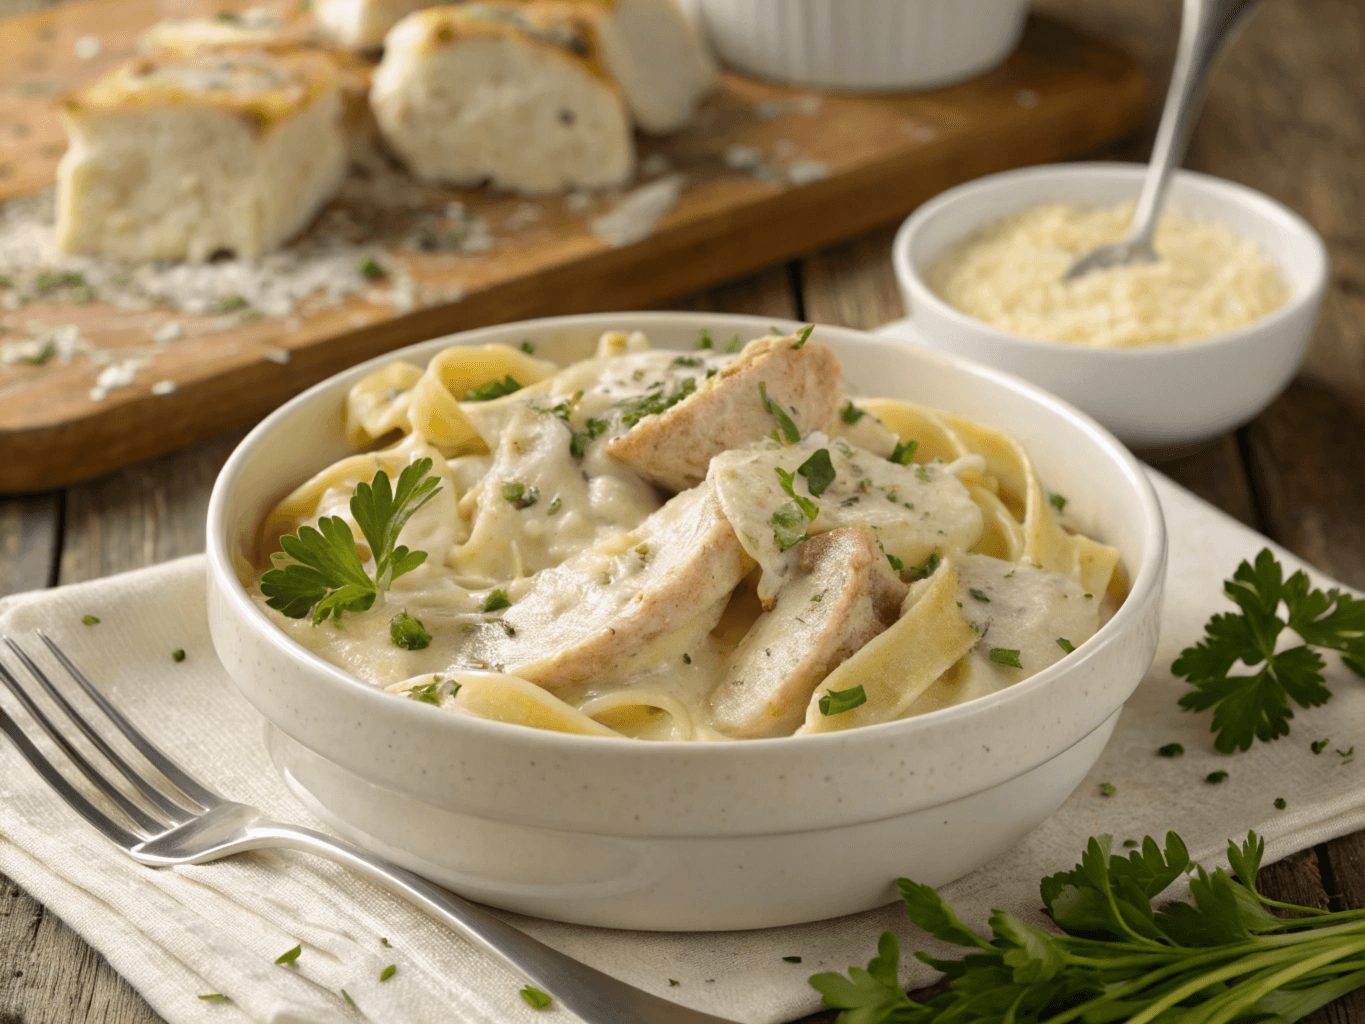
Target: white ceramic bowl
{"x": 867, "y": 45}
{"x": 693, "y": 836}
{"x": 1151, "y": 395}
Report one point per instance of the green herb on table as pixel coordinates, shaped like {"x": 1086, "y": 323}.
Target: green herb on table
{"x": 216, "y": 997}
{"x": 320, "y": 571}
{"x": 178, "y": 654}
{"x": 493, "y": 389}
{"x": 803, "y": 336}
{"x": 836, "y": 702}
{"x": 687, "y": 658}
{"x": 1215, "y": 777}
{"x": 1063, "y": 642}
{"x": 1222, "y": 958}
{"x": 45, "y": 353}
{"x": 1256, "y": 706}
{"x": 1107, "y": 789}
{"x": 385, "y": 943}
{"x": 388, "y": 972}
{"x": 1345, "y": 755}
{"x": 851, "y": 414}
{"x": 229, "y": 304}
{"x": 792, "y": 959}
{"x": 1129, "y": 844}
{"x": 1171, "y": 750}
{"x": 370, "y": 267}
{"x": 1280, "y": 803}
{"x": 535, "y": 998}
{"x": 673, "y": 983}
{"x": 93, "y": 620}
{"x": 349, "y": 1001}
{"x": 1006, "y": 656}
{"x": 407, "y": 632}
{"x": 496, "y": 600}
{"x": 1317, "y": 746}
{"x": 290, "y": 958}
{"x": 904, "y": 453}
{"x": 790, "y": 432}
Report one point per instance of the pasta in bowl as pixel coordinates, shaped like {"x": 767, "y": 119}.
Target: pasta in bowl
{"x": 749, "y": 614}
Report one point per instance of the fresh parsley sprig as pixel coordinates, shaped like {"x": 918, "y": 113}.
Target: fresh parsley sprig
{"x": 320, "y": 570}
{"x": 1256, "y": 706}
{"x": 1223, "y": 958}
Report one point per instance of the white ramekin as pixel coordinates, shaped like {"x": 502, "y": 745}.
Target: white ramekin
{"x": 693, "y": 836}
{"x": 868, "y": 45}
{"x": 1165, "y": 395}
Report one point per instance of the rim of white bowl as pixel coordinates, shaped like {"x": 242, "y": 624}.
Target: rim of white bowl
{"x": 1268, "y": 209}
{"x": 1148, "y": 577}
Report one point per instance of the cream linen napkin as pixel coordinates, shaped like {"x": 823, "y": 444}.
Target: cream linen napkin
{"x": 176, "y": 934}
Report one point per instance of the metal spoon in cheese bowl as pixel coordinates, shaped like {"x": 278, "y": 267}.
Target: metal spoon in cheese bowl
{"x": 1206, "y": 26}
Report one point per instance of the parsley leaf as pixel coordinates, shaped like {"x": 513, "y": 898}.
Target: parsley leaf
{"x": 808, "y": 507}
{"x": 495, "y": 600}
{"x": 388, "y": 972}
{"x": 836, "y": 702}
{"x": 850, "y": 413}
{"x": 1256, "y": 706}
{"x": 1065, "y": 644}
{"x": 636, "y": 409}
{"x": 1006, "y": 656}
{"x": 789, "y": 526}
{"x": 803, "y": 336}
{"x": 321, "y": 570}
{"x": 785, "y": 422}
{"x": 288, "y": 959}
{"x": 703, "y": 340}
{"x": 408, "y": 632}
{"x": 1171, "y": 750}
{"x": 90, "y": 620}
{"x": 1056, "y": 501}
{"x": 818, "y": 471}
{"x": 927, "y": 568}
{"x": 535, "y": 998}
{"x": 903, "y": 454}
{"x": 529, "y": 347}
{"x": 519, "y": 495}
{"x": 493, "y": 389}
{"x": 978, "y": 595}
{"x": 732, "y": 346}
{"x": 216, "y": 997}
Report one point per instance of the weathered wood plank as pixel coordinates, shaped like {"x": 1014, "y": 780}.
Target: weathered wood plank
{"x": 1216, "y": 472}
{"x": 853, "y": 284}
{"x": 29, "y": 528}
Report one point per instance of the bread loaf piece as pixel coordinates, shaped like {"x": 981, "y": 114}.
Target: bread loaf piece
{"x": 362, "y": 24}
{"x": 184, "y": 158}
{"x": 506, "y": 92}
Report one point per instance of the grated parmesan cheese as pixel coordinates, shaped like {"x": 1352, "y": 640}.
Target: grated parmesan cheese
{"x": 1010, "y": 275}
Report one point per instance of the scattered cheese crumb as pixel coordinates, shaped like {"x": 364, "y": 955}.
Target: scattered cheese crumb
{"x": 523, "y": 217}
{"x": 739, "y": 157}
{"x": 577, "y": 202}
{"x": 164, "y": 387}
{"x": 810, "y": 105}
{"x": 170, "y": 331}
{"x": 785, "y": 149}
{"x": 116, "y": 375}
{"x": 803, "y": 172}
{"x": 654, "y": 165}
{"x": 1026, "y": 98}
{"x": 278, "y": 355}
{"x": 634, "y": 217}
{"x": 769, "y": 109}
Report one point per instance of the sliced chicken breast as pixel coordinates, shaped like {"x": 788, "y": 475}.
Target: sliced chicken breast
{"x": 842, "y": 595}
{"x": 674, "y": 448}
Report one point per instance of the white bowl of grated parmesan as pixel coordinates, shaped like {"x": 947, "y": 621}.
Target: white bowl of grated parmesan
{"x": 1164, "y": 354}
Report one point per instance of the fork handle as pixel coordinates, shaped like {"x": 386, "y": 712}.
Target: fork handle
{"x": 596, "y": 997}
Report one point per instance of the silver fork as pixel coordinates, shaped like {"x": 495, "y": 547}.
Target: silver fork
{"x": 165, "y": 831}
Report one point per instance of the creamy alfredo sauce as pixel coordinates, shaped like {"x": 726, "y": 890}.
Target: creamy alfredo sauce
{"x": 564, "y": 590}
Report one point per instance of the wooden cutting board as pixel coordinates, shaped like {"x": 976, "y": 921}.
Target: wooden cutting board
{"x": 1060, "y": 95}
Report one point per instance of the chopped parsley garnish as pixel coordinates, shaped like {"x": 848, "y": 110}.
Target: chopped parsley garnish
{"x": 554, "y": 506}
{"x": 408, "y": 632}
{"x": 803, "y": 336}
{"x": 1171, "y": 750}
{"x": 784, "y": 422}
{"x": 1056, "y": 501}
{"x": 385, "y": 943}
{"x": 1107, "y": 789}
{"x": 1120, "y": 951}
{"x": 808, "y": 507}
{"x": 370, "y": 267}
{"x": 922, "y": 473}
{"x": 792, "y": 959}
{"x": 673, "y": 982}
{"x": 789, "y": 526}
{"x": 493, "y": 389}
{"x": 178, "y": 654}
{"x": 1345, "y": 755}
{"x": 90, "y": 620}
{"x": 818, "y": 471}
{"x": 230, "y": 304}
{"x": 592, "y": 428}
{"x": 687, "y": 659}
{"x": 388, "y": 972}
{"x": 731, "y": 347}
{"x": 507, "y": 627}
{"x": 519, "y": 495}
{"x": 528, "y": 346}
{"x": 703, "y": 340}
{"x": 1063, "y": 642}
{"x": 535, "y": 998}
{"x": 850, "y": 413}
{"x": 1215, "y": 777}
{"x": 692, "y": 361}
{"x": 320, "y": 570}
{"x": 636, "y": 409}
{"x": 978, "y": 595}
{"x": 216, "y": 997}
{"x": 836, "y": 702}
{"x": 903, "y": 454}
{"x": 1256, "y": 706}
{"x": 288, "y": 959}
{"x": 349, "y": 1001}
{"x": 1318, "y": 746}
{"x": 1006, "y": 656}
{"x": 1130, "y": 844}
{"x": 51, "y": 280}
{"x": 48, "y": 350}
{"x": 893, "y": 561}
{"x": 1280, "y": 803}
{"x": 497, "y": 599}
{"x": 927, "y": 568}
{"x": 430, "y": 693}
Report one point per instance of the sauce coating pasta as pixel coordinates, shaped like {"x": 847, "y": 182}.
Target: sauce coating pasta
{"x": 692, "y": 546}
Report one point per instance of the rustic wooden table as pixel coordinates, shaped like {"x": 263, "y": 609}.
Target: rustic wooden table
{"x": 1286, "y": 115}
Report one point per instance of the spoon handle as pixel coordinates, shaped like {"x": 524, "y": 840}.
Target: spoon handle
{"x": 1206, "y": 26}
